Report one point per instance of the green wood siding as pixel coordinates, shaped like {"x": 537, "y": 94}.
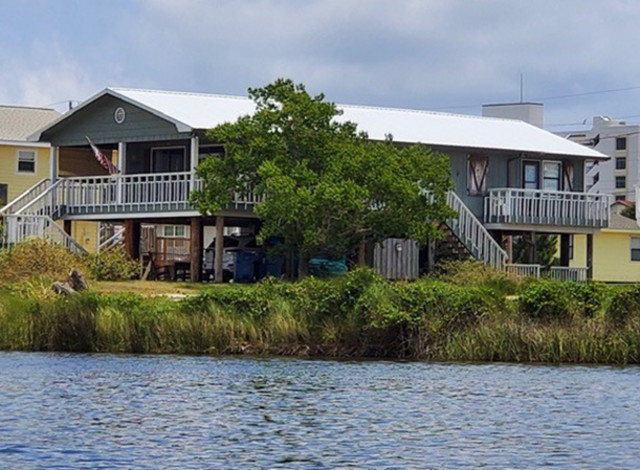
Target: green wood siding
{"x": 97, "y": 122}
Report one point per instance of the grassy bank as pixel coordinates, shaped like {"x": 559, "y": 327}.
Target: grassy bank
{"x": 470, "y": 314}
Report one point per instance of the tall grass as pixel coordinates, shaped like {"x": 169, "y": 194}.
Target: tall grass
{"x": 456, "y": 318}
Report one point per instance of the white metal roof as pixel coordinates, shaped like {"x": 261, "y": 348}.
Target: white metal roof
{"x": 190, "y": 111}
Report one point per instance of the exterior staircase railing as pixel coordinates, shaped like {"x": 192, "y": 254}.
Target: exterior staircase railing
{"x": 21, "y": 227}
{"x": 473, "y": 235}
{"x": 32, "y": 216}
{"x": 27, "y": 197}
{"x": 109, "y": 236}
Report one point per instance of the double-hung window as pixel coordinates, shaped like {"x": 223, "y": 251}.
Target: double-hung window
{"x": 551, "y": 174}
{"x": 26, "y": 161}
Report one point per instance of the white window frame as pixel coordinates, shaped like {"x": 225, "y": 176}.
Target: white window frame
{"x": 169, "y": 231}
{"x": 632, "y": 248}
{"x": 171, "y": 147}
{"x": 35, "y": 161}
{"x": 7, "y": 195}
{"x": 560, "y": 174}
{"x": 538, "y": 165}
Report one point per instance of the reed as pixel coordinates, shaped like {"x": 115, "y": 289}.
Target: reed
{"x": 355, "y": 316}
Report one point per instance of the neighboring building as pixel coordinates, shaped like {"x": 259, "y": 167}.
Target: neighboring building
{"x": 22, "y": 163}
{"x": 510, "y": 177}
{"x": 25, "y": 163}
{"x": 533, "y": 113}
{"x": 616, "y": 249}
{"x": 621, "y": 141}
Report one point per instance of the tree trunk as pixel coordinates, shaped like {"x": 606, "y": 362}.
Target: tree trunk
{"x": 303, "y": 266}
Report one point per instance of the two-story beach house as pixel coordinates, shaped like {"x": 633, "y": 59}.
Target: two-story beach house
{"x": 510, "y": 177}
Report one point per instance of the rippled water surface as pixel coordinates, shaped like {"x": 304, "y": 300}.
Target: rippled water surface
{"x": 102, "y": 411}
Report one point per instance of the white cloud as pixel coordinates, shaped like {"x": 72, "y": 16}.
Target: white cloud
{"x": 412, "y": 53}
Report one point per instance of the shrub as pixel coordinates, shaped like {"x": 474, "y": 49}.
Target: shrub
{"x": 625, "y": 303}
{"x": 113, "y": 265}
{"x": 545, "y": 299}
{"x": 474, "y": 273}
{"x": 586, "y": 299}
{"x": 443, "y": 305}
{"x": 38, "y": 258}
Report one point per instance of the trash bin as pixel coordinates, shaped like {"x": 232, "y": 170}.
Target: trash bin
{"x": 244, "y": 264}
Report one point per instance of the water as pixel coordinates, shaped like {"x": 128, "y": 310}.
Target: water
{"x": 104, "y": 411}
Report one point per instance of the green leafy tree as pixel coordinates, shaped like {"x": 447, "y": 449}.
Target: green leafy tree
{"x": 327, "y": 187}
{"x": 629, "y": 211}
{"x": 546, "y": 249}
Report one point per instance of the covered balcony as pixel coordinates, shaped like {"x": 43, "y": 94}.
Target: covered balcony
{"x": 533, "y": 209}
{"x": 136, "y": 194}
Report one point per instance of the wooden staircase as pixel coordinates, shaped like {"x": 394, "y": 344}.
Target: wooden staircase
{"x": 450, "y": 248}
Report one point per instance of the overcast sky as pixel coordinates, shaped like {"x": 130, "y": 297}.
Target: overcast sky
{"x": 443, "y": 55}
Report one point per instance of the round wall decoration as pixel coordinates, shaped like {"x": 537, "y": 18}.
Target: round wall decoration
{"x": 119, "y": 115}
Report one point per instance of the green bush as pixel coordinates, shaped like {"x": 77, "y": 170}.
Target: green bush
{"x": 587, "y": 299}
{"x": 545, "y": 299}
{"x": 624, "y": 304}
{"x": 38, "y": 258}
{"x": 113, "y": 265}
{"x": 474, "y": 273}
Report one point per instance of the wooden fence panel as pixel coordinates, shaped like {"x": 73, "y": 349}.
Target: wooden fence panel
{"x": 397, "y": 258}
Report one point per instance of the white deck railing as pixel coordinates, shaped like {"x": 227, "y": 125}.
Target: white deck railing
{"x": 473, "y": 235}
{"x": 137, "y": 193}
{"x": 536, "y": 207}
{"x": 563, "y": 273}
{"x": 524, "y": 270}
{"x": 560, "y": 273}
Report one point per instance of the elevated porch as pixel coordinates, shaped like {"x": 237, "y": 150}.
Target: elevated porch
{"x": 138, "y": 195}
{"x": 546, "y": 211}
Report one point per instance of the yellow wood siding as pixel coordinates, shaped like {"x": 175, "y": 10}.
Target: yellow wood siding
{"x": 611, "y": 256}
{"x": 86, "y": 233}
{"x": 579, "y": 251}
{"x": 20, "y": 182}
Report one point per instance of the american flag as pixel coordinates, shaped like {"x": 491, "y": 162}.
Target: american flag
{"x": 105, "y": 162}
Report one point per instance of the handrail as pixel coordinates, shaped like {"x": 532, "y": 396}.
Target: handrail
{"x": 473, "y": 234}
{"x": 117, "y": 177}
{"x": 36, "y": 188}
{"x": 48, "y": 193}
{"x": 24, "y": 226}
{"x": 112, "y": 240}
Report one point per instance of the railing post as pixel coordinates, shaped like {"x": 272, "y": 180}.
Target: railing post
{"x": 195, "y": 155}
{"x": 122, "y": 164}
